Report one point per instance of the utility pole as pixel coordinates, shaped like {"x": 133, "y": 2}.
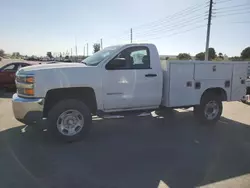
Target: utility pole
{"x": 131, "y": 35}
{"x": 208, "y": 29}
{"x": 71, "y": 53}
{"x": 76, "y": 50}
{"x": 87, "y": 49}
{"x": 101, "y": 44}
{"x": 84, "y": 51}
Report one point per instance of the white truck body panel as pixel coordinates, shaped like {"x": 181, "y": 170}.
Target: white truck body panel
{"x": 181, "y": 77}
{"x": 248, "y": 83}
{"x": 180, "y": 94}
{"x": 211, "y": 70}
{"x": 239, "y": 73}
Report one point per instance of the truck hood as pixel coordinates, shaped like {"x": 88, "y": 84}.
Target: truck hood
{"x": 62, "y": 75}
{"x": 31, "y": 69}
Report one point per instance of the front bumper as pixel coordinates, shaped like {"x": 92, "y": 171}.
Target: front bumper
{"x": 27, "y": 110}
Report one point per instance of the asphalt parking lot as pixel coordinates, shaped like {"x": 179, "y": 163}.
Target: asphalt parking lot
{"x": 172, "y": 150}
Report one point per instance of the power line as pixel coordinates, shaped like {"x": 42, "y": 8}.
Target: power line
{"x": 225, "y": 11}
{"x": 231, "y": 23}
{"x": 176, "y": 27}
{"x": 232, "y": 14}
{"x": 223, "y": 1}
{"x": 167, "y": 21}
{"x": 173, "y": 25}
{"x": 176, "y": 33}
{"x": 240, "y": 22}
{"x": 235, "y": 6}
{"x": 179, "y": 14}
{"x": 159, "y": 24}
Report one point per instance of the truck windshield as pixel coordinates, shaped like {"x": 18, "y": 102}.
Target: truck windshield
{"x": 97, "y": 57}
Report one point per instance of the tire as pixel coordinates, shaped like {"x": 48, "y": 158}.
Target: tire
{"x": 69, "y": 107}
{"x": 201, "y": 110}
{"x": 244, "y": 101}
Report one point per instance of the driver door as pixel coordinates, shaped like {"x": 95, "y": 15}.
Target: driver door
{"x": 134, "y": 86}
{"x": 118, "y": 86}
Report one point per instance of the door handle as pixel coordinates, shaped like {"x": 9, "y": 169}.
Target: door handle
{"x": 197, "y": 85}
{"x": 189, "y": 84}
{"x": 150, "y": 75}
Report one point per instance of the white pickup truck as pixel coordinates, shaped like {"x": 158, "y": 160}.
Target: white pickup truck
{"x": 123, "y": 78}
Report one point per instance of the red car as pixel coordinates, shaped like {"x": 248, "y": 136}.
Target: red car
{"x": 8, "y": 73}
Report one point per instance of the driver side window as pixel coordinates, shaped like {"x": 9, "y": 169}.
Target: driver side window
{"x": 134, "y": 57}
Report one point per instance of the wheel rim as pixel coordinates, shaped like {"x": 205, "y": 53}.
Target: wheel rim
{"x": 70, "y": 122}
{"x": 211, "y": 110}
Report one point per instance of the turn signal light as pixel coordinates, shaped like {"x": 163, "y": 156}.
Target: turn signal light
{"x": 30, "y": 80}
{"x": 29, "y": 91}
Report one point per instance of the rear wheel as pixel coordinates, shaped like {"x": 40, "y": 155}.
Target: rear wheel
{"x": 70, "y": 120}
{"x": 210, "y": 109}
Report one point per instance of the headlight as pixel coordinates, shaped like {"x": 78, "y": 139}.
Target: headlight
{"x": 25, "y": 85}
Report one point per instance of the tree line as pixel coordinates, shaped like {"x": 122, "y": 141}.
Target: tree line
{"x": 212, "y": 55}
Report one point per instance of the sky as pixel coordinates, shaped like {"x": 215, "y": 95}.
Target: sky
{"x": 34, "y": 27}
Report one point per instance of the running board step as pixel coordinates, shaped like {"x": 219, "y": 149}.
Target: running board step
{"x": 123, "y": 115}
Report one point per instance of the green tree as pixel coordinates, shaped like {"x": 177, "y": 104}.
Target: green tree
{"x": 225, "y": 57}
{"x": 184, "y": 56}
{"x": 245, "y": 54}
{"x": 1, "y": 53}
{"x": 211, "y": 53}
{"x": 200, "y": 56}
{"x": 220, "y": 56}
{"x": 15, "y": 55}
{"x": 235, "y": 58}
{"x": 96, "y": 47}
{"x": 49, "y": 54}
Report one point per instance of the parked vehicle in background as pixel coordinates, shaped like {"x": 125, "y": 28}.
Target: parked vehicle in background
{"x": 7, "y": 74}
{"x": 125, "y": 78}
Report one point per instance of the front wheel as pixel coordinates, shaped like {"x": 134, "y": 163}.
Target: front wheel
{"x": 70, "y": 120}
{"x": 210, "y": 109}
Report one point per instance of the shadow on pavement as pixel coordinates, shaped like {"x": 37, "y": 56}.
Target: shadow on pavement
{"x": 134, "y": 152}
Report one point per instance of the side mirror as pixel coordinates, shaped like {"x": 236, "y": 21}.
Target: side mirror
{"x": 116, "y": 64}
